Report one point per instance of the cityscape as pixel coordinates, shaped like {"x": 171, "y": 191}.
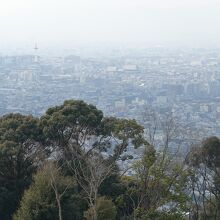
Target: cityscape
{"x": 122, "y": 83}
{"x": 109, "y": 110}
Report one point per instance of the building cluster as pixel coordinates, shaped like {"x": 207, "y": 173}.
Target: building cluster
{"x": 184, "y": 82}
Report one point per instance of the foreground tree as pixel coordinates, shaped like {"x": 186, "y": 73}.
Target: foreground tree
{"x": 90, "y": 144}
{"x": 157, "y": 189}
{"x": 204, "y": 162}
{"x": 43, "y": 200}
{"x": 19, "y": 154}
{"x": 79, "y": 156}
{"x": 59, "y": 183}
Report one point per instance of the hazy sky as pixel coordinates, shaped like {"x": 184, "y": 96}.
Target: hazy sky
{"x": 62, "y": 22}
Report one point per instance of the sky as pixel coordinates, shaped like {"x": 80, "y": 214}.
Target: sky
{"x": 193, "y": 23}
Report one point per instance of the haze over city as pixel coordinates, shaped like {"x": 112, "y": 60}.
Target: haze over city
{"x": 70, "y": 23}
{"x": 109, "y": 110}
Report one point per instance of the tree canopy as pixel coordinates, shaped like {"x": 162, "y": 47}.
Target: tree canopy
{"x": 75, "y": 163}
{"x": 19, "y": 136}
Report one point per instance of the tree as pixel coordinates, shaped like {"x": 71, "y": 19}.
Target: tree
{"x": 158, "y": 186}
{"x": 59, "y": 184}
{"x": 19, "y": 158}
{"x": 168, "y": 132}
{"x": 204, "y": 186}
{"x": 45, "y": 195}
{"x": 39, "y": 200}
{"x": 89, "y": 143}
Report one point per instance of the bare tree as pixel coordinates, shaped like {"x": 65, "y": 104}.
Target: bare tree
{"x": 168, "y": 132}
{"x": 90, "y": 172}
{"x": 95, "y": 160}
{"x": 58, "y": 182}
{"x": 151, "y": 122}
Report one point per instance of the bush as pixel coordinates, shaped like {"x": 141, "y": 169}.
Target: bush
{"x": 105, "y": 210}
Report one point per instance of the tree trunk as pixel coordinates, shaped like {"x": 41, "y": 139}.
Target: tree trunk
{"x": 134, "y": 216}
{"x": 60, "y": 210}
{"x": 59, "y": 206}
{"x": 95, "y": 216}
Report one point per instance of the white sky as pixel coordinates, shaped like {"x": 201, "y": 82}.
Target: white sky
{"x": 63, "y": 22}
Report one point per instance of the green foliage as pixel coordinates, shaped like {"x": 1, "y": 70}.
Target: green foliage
{"x": 18, "y": 153}
{"x": 164, "y": 216}
{"x": 18, "y": 128}
{"x": 105, "y": 210}
{"x": 211, "y": 151}
{"x": 77, "y": 136}
{"x": 128, "y": 200}
{"x": 79, "y": 121}
{"x": 60, "y": 122}
{"x": 158, "y": 182}
{"x": 123, "y": 130}
{"x": 39, "y": 201}
{"x": 112, "y": 186}
{"x": 204, "y": 162}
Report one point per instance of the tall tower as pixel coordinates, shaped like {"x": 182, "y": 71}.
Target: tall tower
{"x": 35, "y": 53}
